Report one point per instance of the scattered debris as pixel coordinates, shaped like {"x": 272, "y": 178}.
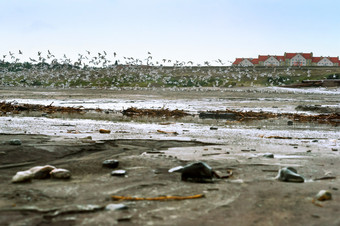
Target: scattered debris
{"x": 218, "y": 115}
{"x": 289, "y": 174}
{"x": 209, "y": 154}
{"x": 332, "y": 118}
{"x": 318, "y": 108}
{"x": 104, "y": 131}
{"x": 245, "y": 150}
{"x": 130, "y": 112}
{"x": 325, "y": 178}
{"x": 278, "y": 137}
{"x": 9, "y": 107}
{"x": 164, "y": 132}
{"x": 73, "y": 131}
{"x": 155, "y": 152}
{"x": 111, "y": 163}
{"x": 118, "y": 173}
{"x": 88, "y": 208}
{"x": 160, "y": 198}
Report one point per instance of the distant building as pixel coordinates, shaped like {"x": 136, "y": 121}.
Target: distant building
{"x": 288, "y": 59}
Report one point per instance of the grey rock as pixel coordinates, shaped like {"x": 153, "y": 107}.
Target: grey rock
{"x": 289, "y": 174}
{"x": 268, "y": 155}
{"x": 111, "y": 163}
{"x": 15, "y": 142}
{"x": 198, "y": 172}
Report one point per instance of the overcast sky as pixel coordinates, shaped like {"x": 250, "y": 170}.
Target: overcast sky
{"x": 197, "y": 30}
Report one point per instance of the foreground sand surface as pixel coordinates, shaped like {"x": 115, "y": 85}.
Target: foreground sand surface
{"x": 148, "y": 147}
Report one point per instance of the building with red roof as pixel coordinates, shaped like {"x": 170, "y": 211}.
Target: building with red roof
{"x": 288, "y": 59}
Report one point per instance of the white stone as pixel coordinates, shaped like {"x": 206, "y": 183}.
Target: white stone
{"x": 22, "y": 176}
{"x": 41, "y": 172}
{"x": 60, "y": 173}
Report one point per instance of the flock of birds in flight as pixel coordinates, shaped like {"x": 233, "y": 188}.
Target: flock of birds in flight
{"x": 109, "y": 70}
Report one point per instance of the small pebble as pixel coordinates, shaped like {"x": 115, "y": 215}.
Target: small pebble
{"x": 15, "y": 142}
{"x": 110, "y": 163}
{"x": 245, "y": 150}
{"x": 290, "y": 123}
{"x": 104, "y": 131}
{"x": 116, "y": 207}
{"x": 334, "y": 149}
{"x": 213, "y": 128}
{"x": 268, "y": 155}
{"x": 118, "y": 173}
{"x": 323, "y": 195}
{"x": 309, "y": 151}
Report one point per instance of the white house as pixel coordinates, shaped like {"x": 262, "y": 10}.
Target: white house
{"x": 325, "y": 62}
{"x": 271, "y": 61}
{"x": 298, "y": 60}
{"x": 246, "y": 63}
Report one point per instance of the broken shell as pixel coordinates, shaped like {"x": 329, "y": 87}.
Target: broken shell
{"x": 176, "y": 169}
{"x": 41, "y": 172}
{"x": 198, "y": 171}
{"x": 118, "y": 206}
{"x": 289, "y": 174}
{"x": 22, "y": 176}
{"x": 323, "y": 195}
{"x": 60, "y": 173}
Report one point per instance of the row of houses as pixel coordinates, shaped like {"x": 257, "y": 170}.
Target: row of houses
{"x": 288, "y": 59}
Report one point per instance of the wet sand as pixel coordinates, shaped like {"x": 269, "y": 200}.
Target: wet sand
{"x": 250, "y": 197}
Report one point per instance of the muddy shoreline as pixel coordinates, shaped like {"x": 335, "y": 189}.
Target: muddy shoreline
{"x": 251, "y": 196}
